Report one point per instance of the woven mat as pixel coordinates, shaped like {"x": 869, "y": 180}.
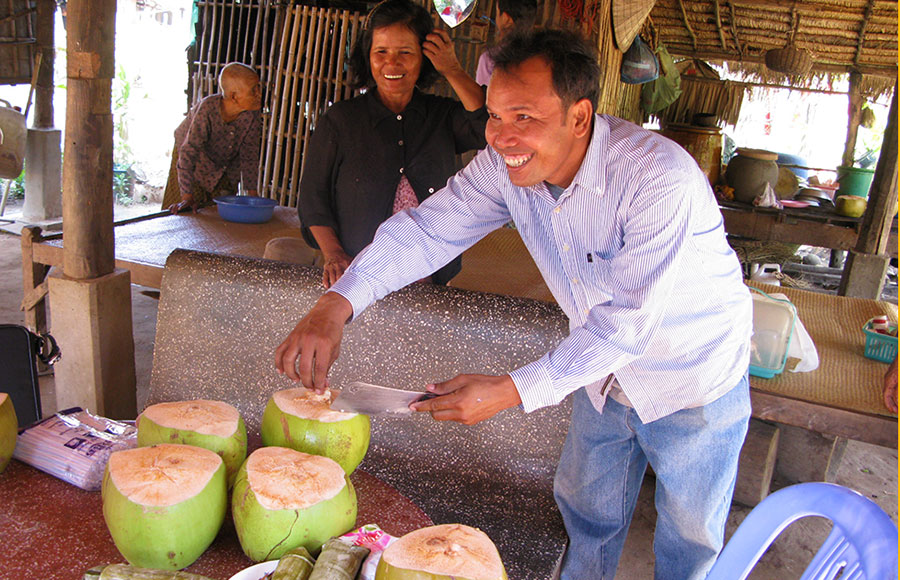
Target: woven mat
{"x": 845, "y": 379}
{"x": 500, "y": 264}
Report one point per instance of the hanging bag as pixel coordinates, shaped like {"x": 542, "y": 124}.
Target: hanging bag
{"x": 666, "y": 88}
{"x": 20, "y": 349}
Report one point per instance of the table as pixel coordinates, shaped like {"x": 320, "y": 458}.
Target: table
{"x": 143, "y": 244}
{"x": 55, "y": 531}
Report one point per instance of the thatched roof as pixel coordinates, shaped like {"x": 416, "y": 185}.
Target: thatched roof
{"x": 843, "y": 35}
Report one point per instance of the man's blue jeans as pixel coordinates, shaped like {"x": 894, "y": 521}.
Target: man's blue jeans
{"x": 694, "y": 454}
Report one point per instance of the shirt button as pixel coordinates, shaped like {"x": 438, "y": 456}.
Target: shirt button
{"x": 399, "y": 117}
{"x": 565, "y": 247}
{"x": 401, "y": 170}
{"x": 587, "y": 311}
{"x": 574, "y": 280}
{"x": 556, "y": 209}
{"x": 400, "y": 142}
{"x": 430, "y": 190}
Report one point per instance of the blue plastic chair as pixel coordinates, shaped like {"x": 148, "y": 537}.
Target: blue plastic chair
{"x": 862, "y": 544}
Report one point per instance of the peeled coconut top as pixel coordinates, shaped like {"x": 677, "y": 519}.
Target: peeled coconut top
{"x": 447, "y": 550}
{"x": 282, "y": 478}
{"x": 307, "y": 404}
{"x": 201, "y": 416}
{"x": 3, "y": 397}
{"x": 162, "y": 475}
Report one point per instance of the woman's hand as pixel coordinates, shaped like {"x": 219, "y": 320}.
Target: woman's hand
{"x": 335, "y": 264}
{"x": 440, "y": 51}
{"x": 187, "y": 203}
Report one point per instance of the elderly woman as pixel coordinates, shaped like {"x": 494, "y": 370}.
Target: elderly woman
{"x": 388, "y": 149}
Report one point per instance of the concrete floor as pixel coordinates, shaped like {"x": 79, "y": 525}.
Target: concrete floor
{"x": 869, "y": 469}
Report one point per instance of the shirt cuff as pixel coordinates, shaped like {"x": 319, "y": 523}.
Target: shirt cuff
{"x": 355, "y": 289}
{"x": 534, "y": 385}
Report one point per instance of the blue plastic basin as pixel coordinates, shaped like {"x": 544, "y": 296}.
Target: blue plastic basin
{"x": 245, "y": 209}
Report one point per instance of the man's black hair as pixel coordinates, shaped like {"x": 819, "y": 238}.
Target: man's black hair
{"x": 573, "y": 62}
{"x": 389, "y": 12}
{"x": 522, "y": 12}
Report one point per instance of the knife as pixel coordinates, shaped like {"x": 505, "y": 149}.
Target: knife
{"x": 369, "y": 399}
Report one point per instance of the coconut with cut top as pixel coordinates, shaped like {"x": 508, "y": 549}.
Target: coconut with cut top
{"x": 303, "y": 420}
{"x": 284, "y": 499}
{"x": 213, "y": 425}
{"x": 164, "y": 504}
{"x": 440, "y": 553}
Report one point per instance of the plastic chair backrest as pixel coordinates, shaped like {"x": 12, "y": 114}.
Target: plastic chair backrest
{"x": 862, "y": 544}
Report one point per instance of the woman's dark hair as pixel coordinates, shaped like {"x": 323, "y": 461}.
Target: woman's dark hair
{"x": 522, "y": 12}
{"x": 573, "y": 63}
{"x": 389, "y": 12}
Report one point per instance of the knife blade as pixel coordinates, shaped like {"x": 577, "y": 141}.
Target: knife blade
{"x": 368, "y": 399}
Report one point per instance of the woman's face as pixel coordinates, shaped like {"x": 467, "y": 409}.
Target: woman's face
{"x": 396, "y": 60}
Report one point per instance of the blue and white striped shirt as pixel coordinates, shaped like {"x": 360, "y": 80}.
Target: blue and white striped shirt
{"x": 634, "y": 252}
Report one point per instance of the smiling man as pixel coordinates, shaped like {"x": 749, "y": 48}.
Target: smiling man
{"x": 629, "y": 238}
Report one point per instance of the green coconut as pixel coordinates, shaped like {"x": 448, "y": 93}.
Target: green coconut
{"x": 303, "y": 420}
{"x": 212, "y": 425}
{"x": 9, "y": 427}
{"x": 164, "y": 504}
{"x": 285, "y": 499}
{"x": 445, "y": 552}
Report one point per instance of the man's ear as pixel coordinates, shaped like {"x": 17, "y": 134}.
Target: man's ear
{"x": 581, "y": 115}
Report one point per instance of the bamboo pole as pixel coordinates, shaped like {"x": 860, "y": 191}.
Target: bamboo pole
{"x": 289, "y": 102}
{"x": 229, "y": 45}
{"x": 855, "y": 114}
{"x": 87, "y": 170}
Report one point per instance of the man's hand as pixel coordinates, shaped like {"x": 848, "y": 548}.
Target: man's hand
{"x": 439, "y": 49}
{"x": 335, "y": 264}
{"x": 469, "y": 399}
{"x": 890, "y": 387}
{"x": 187, "y": 203}
{"x": 315, "y": 341}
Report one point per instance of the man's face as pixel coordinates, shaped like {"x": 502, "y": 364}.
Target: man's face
{"x": 527, "y": 126}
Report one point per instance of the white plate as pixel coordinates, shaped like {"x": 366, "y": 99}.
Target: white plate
{"x": 256, "y": 571}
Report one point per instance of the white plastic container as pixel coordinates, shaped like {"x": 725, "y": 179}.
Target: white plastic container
{"x": 773, "y": 324}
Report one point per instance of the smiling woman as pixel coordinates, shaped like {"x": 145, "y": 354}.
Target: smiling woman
{"x": 354, "y": 180}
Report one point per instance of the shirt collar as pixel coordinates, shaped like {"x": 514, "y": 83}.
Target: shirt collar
{"x": 378, "y": 112}
{"x": 590, "y": 173}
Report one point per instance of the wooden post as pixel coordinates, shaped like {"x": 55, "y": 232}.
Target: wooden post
{"x": 44, "y": 29}
{"x": 854, "y": 110}
{"x": 87, "y": 165}
{"x": 864, "y": 273}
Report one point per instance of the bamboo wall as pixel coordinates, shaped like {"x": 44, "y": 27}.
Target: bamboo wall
{"x": 300, "y": 53}
{"x": 17, "y": 40}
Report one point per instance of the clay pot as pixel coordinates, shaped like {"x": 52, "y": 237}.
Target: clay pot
{"x": 749, "y": 171}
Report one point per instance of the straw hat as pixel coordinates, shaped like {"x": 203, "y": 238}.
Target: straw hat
{"x": 627, "y": 17}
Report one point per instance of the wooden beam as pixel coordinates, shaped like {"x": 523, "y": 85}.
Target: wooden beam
{"x": 44, "y": 28}
{"x": 854, "y": 110}
{"x": 875, "y": 429}
{"x": 88, "y": 160}
{"x": 780, "y": 227}
{"x": 879, "y": 217}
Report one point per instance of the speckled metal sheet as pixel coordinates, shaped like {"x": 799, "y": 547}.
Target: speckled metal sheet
{"x": 220, "y": 319}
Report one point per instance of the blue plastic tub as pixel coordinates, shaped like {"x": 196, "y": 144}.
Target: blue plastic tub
{"x": 245, "y": 209}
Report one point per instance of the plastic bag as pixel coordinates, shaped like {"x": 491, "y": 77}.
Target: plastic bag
{"x": 665, "y": 90}
{"x": 376, "y": 540}
{"x": 74, "y": 445}
{"x": 801, "y": 346}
